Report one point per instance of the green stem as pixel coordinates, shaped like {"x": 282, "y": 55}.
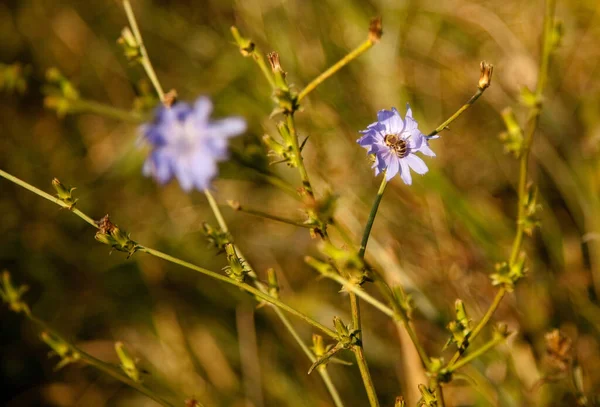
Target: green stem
{"x": 531, "y": 127}
{"x": 107, "y": 368}
{"x": 180, "y": 262}
{"x": 298, "y": 154}
{"x": 145, "y": 59}
{"x": 47, "y": 196}
{"x": 310, "y": 355}
{"x": 359, "y": 352}
{"x": 248, "y": 48}
{"x": 322, "y": 372}
{"x": 91, "y": 106}
{"x": 361, "y": 49}
{"x": 532, "y": 123}
{"x": 276, "y": 218}
{"x": 476, "y": 353}
{"x": 243, "y": 286}
{"x": 366, "y": 377}
{"x": 355, "y": 289}
{"x": 460, "y": 111}
{"x": 371, "y": 220}
{"x": 482, "y": 323}
{"x": 440, "y": 394}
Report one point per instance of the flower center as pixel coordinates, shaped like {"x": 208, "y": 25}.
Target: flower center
{"x": 398, "y": 145}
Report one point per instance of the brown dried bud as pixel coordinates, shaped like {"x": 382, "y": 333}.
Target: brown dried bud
{"x": 485, "y": 80}
{"x": 375, "y": 30}
{"x": 170, "y": 98}
{"x": 105, "y": 226}
{"x": 235, "y": 205}
{"x": 559, "y": 349}
{"x": 274, "y": 61}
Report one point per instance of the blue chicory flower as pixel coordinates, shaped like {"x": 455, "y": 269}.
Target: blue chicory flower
{"x": 187, "y": 144}
{"x": 394, "y": 143}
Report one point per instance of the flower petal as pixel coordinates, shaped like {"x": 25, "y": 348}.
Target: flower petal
{"x": 405, "y": 172}
{"x": 416, "y": 164}
{"x": 392, "y": 168}
{"x": 426, "y": 150}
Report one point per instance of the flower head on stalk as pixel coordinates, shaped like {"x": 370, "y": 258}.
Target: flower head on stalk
{"x": 187, "y": 144}
{"x": 394, "y": 143}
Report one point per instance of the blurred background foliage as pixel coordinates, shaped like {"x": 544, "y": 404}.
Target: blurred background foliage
{"x": 440, "y": 238}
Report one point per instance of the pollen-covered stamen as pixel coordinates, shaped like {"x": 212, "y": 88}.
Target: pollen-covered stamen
{"x": 397, "y": 144}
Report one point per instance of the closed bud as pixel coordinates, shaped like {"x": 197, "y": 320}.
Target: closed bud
{"x": 131, "y": 47}
{"x": 485, "y": 79}
{"x": 127, "y": 362}
{"x": 400, "y": 402}
{"x": 12, "y": 295}
{"x": 341, "y": 328}
{"x": 60, "y": 348}
{"x": 273, "y": 58}
{"x": 216, "y": 237}
{"x": 236, "y": 269}
{"x": 246, "y": 46}
{"x": 318, "y": 346}
{"x": 375, "y": 30}
{"x": 110, "y": 234}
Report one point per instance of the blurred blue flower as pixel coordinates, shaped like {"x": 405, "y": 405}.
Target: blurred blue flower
{"x": 394, "y": 143}
{"x": 187, "y": 144}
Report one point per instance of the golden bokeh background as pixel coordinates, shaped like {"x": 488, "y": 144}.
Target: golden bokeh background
{"x": 440, "y": 238}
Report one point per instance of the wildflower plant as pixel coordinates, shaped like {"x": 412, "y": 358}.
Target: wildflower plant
{"x": 185, "y": 143}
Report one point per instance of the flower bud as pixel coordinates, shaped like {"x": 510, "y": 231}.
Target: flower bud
{"x": 318, "y": 346}
{"x": 11, "y": 294}
{"x": 485, "y": 80}
{"x": 127, "y": 362}
{"x": 375, "y": 30}
{"x": 131, "y": 47}
{"x": 400, "y": 402}
{"x": 236, "y": 269}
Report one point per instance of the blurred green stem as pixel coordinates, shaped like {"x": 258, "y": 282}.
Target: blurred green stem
{"x": 476, "y": 353}
{"x": 532, "y": 123}
{"x": 164, "y": 256}
{"x": 248, "y": 48}
{"x": 145, "y": 59}
{"x": 322, "y": 371}
{"x": 107, "y": 368}
{"x": 361, "y": 49}
{"x": 91, "y": 106}
{"x": 355, "y": 289}
{"x": 243, "y": 286}
{"x": 276, "y": 218}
